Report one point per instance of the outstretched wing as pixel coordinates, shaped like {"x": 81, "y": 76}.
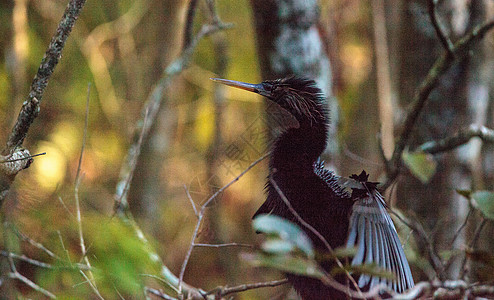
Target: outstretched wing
{"x": 373, "y": 234}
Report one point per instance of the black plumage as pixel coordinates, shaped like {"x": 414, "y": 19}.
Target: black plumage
{"x": 345, "y": 211}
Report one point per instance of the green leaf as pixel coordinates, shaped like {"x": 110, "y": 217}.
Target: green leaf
{"x": 277, "y": 246}
{"x": 118, "y": 256}
{"x": 286, "y": 263}
{"x": 421, "y": 165}
{"x": 286, "y": 231}
{"x": 465, "y": 193}
{"x": 367, "y": 269}
{"x": 484, "y": 201}
{"x": 340, "y": 252}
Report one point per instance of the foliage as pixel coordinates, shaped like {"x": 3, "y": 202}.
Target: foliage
{"x": 121, "y": 48}
{"x": 422, "y": 165}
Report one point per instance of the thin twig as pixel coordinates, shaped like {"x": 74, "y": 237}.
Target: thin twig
{"x": 224, "y": 291}
{"x": 202, "y": 212}
{"x": 78, "y": 179}
{"x": 84, "y": 135}
{"x": 16, "y": 275}
{"x": 462, "y": 226}
{"x": 27, "y": 259}
{"x": 41, "y": 264}
{"x": 476, "y": 235}
{"x": 191, "y": 200}
{"x": 32, "y": 285}
{"x": 92, "y": 283}
{"x": 357, "y": 158}
{"x": 36, "y": 244}
{"x": 65, "y": 207}
{"x": 159, "y": 293}
{"x": 22, "y": 158}
{"x": 331, "y": 281}
{"x": 438, "y": 27}
{"x": 223, "y": 245}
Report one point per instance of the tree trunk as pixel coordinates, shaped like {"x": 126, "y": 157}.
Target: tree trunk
{"x": 289, "y": 43}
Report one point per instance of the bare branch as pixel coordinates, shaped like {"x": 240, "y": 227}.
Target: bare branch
{"x": 121, "y": 205}
{"x": 30, "y": 109}
{"x": 475, "y": 237}
{"x": 189, "y": 24}
{"x": 31, "y": 106}
{"x": 456, "y": 289}
{"x": 457, "y": 234}
{"x": 78, "y": 179}
{"x": 26, "y": 259}
{"x": 84, "y": 136}
{"x": 159, "y": 293}
{"x": 151, "y": 109}
{"x": 224, "y": 291}
{"x": 203, "y": 211}
{"x": 461, "y": 138}
{"x": 142, "y": 128}
{"x": 223, "y": 245}
{"x": 36, "y": 244}
{"x": 442, "y": 64}
{"x": 438, "y": 27}
{"x": 41, "y": 264}
{"x": 16, "y": 275}
{"x": 191, "y": 200}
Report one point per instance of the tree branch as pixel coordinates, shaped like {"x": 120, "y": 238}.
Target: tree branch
{"x": 438, "y": 27}
{"x": 442, "y": 64}
{"x": 31, "y": 106}
{"x": 476, "y": 236}
{"x": 461, "y": 138}
{"x": 142, "y": 128}
{"x": 151, "y": 109}
{"x": 221, "y": 292}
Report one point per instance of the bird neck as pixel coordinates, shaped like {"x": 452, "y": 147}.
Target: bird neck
{"x": 298, "y": 148}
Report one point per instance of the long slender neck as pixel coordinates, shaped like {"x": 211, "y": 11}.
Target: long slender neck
{"x": 297, "y": 148}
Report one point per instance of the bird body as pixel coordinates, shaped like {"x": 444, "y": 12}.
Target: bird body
{"x": 345, "y": 211}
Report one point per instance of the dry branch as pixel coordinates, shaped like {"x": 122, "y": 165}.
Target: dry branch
{"x": 461, "y": 138}
{"x": 444, "y": 63}
{"x": 142, "y": 128}
{"x": 31, "y": 106}
{"x": 439, "y": 28}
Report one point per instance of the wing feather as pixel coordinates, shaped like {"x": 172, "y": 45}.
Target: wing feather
{"x": 374, "y": 235}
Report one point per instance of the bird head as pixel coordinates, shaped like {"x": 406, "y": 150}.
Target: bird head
{"x": 299, "y": 96}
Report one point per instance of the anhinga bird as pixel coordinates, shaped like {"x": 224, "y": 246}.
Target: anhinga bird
{"x": 345, "y": 211}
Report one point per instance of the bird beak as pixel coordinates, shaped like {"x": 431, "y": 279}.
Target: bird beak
{"x": 256, "y": 88}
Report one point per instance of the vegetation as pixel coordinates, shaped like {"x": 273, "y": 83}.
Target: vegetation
{"x": 128, "y": 173}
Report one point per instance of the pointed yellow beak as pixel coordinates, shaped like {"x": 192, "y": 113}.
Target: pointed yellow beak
{"x": 241, "y": 85}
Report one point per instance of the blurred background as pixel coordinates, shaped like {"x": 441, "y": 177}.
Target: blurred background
{"x": 368, "y": 56}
